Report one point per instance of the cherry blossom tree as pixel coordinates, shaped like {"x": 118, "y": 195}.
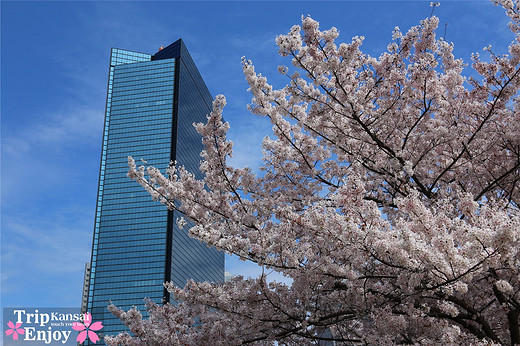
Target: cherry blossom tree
{"x": 389, "y": 195}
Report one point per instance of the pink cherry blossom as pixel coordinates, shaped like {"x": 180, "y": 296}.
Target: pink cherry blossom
{"x": 389, "y": 196}
{"x": 87, "y": 329}
{"x": 14, "y": 330}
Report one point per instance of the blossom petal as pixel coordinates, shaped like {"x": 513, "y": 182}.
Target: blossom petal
{"x": 9, "y": 331}
{"x": 96, "y": 326}
{"x": 15, "y": 336}
{"x": 20, "y": 331}
{"x": 18, "y": 325}
{"x": 10, "y": 324}
{"x": 93, "y": 336}
{"x": 81, "y": 336}
{"x": 78, "y": 326}
{"x": 88, "y": 319}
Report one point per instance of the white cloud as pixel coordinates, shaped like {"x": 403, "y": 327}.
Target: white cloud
{"x": 71, "y": 124}
{"x": 43, "y": 255}
{"x": 50, "y": 244}
{"x": 252, "y": 270}
{"x": 247, "y": 139}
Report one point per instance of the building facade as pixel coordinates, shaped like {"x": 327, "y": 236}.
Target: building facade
{"x": 152, "y": 103}
{"x": 86, "y": 283}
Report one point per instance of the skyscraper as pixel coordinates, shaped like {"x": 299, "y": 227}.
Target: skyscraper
{"x": 152, "y": 102}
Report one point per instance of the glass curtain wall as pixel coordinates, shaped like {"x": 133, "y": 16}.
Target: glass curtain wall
{"x": 129, "y": 251}
{"x": 152, "y": 103}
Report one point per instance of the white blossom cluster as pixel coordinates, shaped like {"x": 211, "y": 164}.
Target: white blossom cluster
{"x": 389, "y": 194}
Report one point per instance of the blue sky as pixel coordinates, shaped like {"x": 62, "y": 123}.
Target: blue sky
{"x": 54, "y": 66}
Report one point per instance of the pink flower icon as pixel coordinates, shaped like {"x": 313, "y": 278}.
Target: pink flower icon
{"x": 14, "y": 330}
{"x": 86, "y": 329}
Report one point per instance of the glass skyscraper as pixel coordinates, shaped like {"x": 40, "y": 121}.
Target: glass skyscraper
{"x": 152, "y": 103}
